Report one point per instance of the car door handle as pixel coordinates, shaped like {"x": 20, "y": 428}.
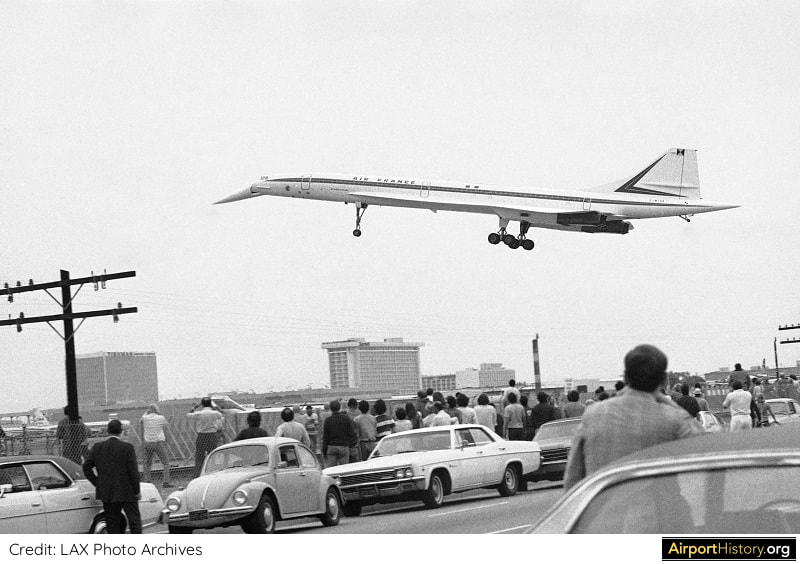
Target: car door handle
{"x": 86, "y": 498}
{"x": 302, "y": 473}
{"x": 35, "y": 504}
{"x": 501, "y": 448}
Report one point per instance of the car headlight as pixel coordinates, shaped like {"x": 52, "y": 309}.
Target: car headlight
{"x": 173, "y": 504}
{"x": 239, "y": 497}
{"x": 409, "y": 472}
{"x": 400, "y": 473}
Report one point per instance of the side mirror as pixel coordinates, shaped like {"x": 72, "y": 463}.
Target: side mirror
{"x": 4, "y": 489}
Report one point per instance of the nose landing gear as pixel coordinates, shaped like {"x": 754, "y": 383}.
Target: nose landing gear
{"x": 360, "y": 209}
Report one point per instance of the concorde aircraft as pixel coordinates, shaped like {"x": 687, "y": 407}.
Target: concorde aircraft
{"x": 668, "y": 187}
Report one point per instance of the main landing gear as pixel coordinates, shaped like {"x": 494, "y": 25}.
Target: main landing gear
{"x": 511, "y": 241}
{"x": 360, "y": 209}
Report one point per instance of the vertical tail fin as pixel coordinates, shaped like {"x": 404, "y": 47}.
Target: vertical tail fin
{"x": 673, "y": 174}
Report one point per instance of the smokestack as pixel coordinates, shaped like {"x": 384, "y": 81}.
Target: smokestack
{"x": 537, "y": 377}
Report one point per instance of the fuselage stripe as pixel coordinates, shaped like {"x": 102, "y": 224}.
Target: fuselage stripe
{"x": 450, "y": 189}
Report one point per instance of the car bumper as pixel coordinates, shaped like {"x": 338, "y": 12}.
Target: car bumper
{"x": 203, "y": 519}
{"x": 375, "y": 491}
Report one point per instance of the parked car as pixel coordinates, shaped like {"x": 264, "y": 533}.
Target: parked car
{"x": 253, "y": 484}
{"x": 555, "y": 440}
{"x": 698, "y": 485}
{"x": 709, "y": 422}
{"x": 50, "y": 494}
{"x": 786, "y": 410}
{"x": 428, "y": 464}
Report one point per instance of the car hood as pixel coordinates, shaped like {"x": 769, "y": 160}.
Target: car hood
{"x": 384, "y": 462}
{"x": 213, "y": 490}
{"x": 555, "y": 442}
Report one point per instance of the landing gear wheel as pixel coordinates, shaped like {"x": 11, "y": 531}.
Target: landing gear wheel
{"x": 357, "y": 232}
{"x": 494, "y": 238}
{"x": 509, "y": 239}
{"x": 333, "y": 509}
{"x": 433, "y": 497}
{"x": 508, "y": 486}
{"x": 262, "y": 520}
{"x": 514, "y": 244}
{"x": 527, "y": 244}
{"x": 352, "y": 509}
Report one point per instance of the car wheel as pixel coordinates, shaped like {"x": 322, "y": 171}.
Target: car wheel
{"x": 352, "y": 509}
{"x": 175, "y": 530}
{"x": 508, "y": 486}
{"x": 433, "y": 497}
{"x": 262, "y": 520}
{"x": 333, "y": 509}
{"x": 99, "y": 527}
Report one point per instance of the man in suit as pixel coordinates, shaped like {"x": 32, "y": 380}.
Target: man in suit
{"x": 117, "y": 479}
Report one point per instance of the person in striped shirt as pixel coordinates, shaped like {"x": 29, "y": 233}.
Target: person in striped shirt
{"x": 385, "y": 422}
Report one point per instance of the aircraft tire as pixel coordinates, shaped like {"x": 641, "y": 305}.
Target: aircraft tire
{"x": 514, "y": 244}
{"x": 494, "y": 238}
{"x": 509, "y": 239}
{"x": 527, "y": 244}
{"x": 357, "y": 232}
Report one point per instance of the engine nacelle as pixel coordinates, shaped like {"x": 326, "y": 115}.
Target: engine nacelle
{"x": 620, "y": 227}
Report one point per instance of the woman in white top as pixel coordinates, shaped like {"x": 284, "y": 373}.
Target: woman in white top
{"x": 401, "y": 423}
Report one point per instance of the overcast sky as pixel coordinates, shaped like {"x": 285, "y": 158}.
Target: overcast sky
{"x": 122, "y": 122}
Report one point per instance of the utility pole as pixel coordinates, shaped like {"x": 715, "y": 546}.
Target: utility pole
{"x": 785, "y": 341}
{"x": 67, "y": 315}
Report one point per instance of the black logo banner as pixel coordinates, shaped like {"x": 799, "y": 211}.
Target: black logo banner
{"x": 729, "y": 548}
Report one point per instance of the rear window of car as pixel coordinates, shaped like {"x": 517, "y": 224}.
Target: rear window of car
{"x": 557, "y": 430}
{"x": 723, "y": 501}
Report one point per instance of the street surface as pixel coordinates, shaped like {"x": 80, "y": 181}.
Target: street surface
{"x": 473, "y": 512}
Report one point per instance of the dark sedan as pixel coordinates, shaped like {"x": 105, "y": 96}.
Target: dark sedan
{"x": 555, "y": 440}
{"x": 716, "y": 483}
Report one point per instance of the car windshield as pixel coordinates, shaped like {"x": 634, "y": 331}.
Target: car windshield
{"x": 778, "y": 407}
{"x": 557, "y": 430}
{"x": 236, "y": 457}
{"x": 413, "y": 442}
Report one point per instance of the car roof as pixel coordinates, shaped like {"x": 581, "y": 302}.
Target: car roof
{"x": 438, "y": 428}
{"x": 562, "y": 421}
{"x": 73, "y": 469}
{"x": 780, "y": 399}
{"x": 264, "y": 441}
{"x": 739, "y": 443}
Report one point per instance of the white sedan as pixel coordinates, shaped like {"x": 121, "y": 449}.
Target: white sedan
{"x": 428, "y": 464}
{"x": 786, "y": 410}
{"x": 49, "y": 494}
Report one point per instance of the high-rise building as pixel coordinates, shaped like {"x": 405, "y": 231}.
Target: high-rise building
{"x": 493, "y": 374}
{"x": 440, "y": 382}
{"x": 391, "y": 364}
{"x": 107, "y": 378}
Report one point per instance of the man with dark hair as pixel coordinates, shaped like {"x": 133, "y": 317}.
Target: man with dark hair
{"x": 366, "y": 429}
{"x": 352, "y": 413}
{"x": 337, "y": 437}
{"x": 384, "y": 423}
{"x": 253, "y": 428}
{"x": 73, "y": 435}
{"x": 208, "y": 424}
{"x": 574, "y": 407}
{"x": 292, "y": 429}
{"x": 739, "y": 403}
{"x": 512, "y": 389}
{"x": 687, "y": 402}
{"x": 618, "y": 387}
{"x": 637, "y": 418}
{"x": 543, "y": 411}
{"x": 117, "y": 479}
{"x": 514, "y": 419}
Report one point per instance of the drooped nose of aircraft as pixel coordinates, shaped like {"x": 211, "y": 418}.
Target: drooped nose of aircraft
{"x": 240, "y": 195}
{"x": 718, "y": 206}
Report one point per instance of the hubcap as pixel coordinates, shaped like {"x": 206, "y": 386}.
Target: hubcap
{"x": 333, "y": 506}
{"x": 510, "y": 479}
{"x": 100, "y": 528}
{"x": 437, "y": 489}
{"x": 268, "y": 518}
